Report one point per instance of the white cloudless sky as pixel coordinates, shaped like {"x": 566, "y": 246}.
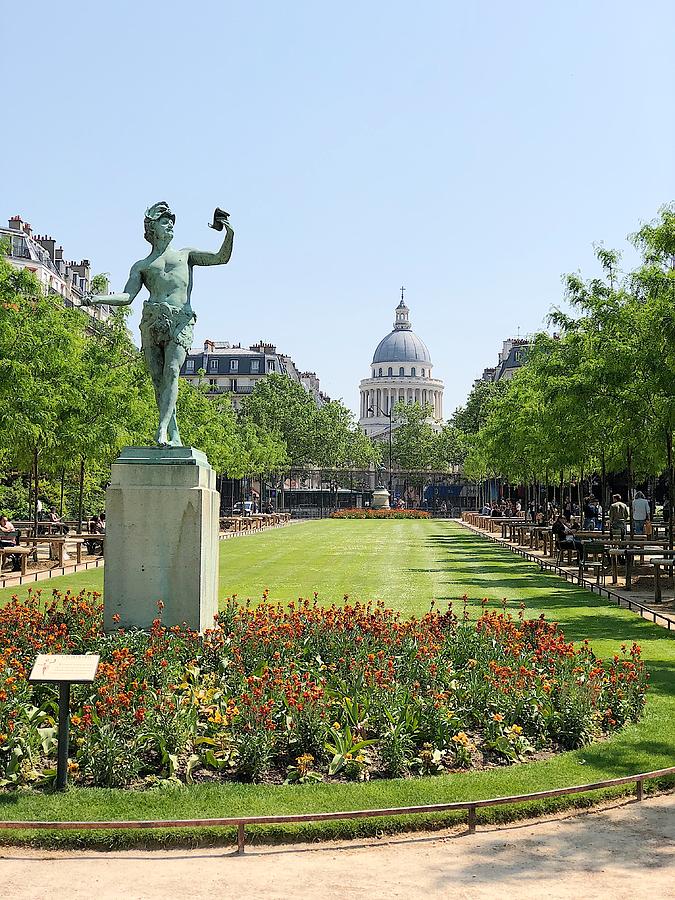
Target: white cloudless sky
{"x": 473, "y": 152}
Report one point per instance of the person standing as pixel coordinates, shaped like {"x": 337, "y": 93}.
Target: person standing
{"x": 618, "y": 517}
{"x": 641, "y": 513}
{"x": 590, "y": 513}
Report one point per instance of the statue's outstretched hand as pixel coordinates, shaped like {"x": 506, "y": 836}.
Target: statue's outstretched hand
{"x": 87, "y": 300}
{"x": 220, "y": 219}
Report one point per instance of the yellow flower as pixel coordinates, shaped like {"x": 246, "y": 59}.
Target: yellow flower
{"x": 336, "y": 725}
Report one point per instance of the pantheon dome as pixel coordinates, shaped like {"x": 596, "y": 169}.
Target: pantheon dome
{"x": 401, "y": 370}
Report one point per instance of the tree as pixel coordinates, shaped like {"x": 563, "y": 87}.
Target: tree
{"x": 283, "y": 408}
{"x": 414, "y": 437}
{"x": 40, "y": 364}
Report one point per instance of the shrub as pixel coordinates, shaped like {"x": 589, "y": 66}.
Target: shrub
{"x": 368, "y": 513}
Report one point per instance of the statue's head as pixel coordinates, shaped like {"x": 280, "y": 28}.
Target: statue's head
{"x": 158, "y": 222}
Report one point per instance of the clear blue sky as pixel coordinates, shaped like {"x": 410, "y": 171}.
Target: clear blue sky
{"x": 471, "y": 151}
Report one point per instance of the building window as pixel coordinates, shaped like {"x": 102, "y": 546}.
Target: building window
{"x": 390, "y": 371}
{"x": 255, "y": 366}
{"x": 213, "y": 365}
{"x": 423, "y": 373}
{"x": 401, "y": 371}
{"x": 234, "y": 365}
{"x": 380, "y": 372}
{"x": 413, "y": 371}
{"x": 190, "y": 365}
{"x": 233, "y": 385}
{"x": 213, "y": 382}
{"x": 270, "y": 365}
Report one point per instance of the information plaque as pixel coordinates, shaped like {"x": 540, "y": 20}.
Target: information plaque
{"x": 77, "y": 669}
{"x": 64, "y": 669}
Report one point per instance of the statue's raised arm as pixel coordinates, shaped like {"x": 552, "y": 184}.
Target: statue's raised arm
{"x": 222, "y": 256}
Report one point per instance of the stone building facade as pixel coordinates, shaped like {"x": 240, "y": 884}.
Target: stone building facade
{"x": 40, "y": 254}
{"x": 235, "y": 370}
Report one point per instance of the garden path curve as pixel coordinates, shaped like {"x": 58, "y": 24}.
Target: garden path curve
{"x": 620, "y": 851}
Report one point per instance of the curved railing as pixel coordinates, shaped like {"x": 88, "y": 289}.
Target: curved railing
{"x": 242, "y": 821}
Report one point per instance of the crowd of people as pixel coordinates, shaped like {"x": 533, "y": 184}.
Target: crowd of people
{"x": 567, "y": 521}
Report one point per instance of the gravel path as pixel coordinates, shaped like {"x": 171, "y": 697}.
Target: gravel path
{"x": 621, "y": 851}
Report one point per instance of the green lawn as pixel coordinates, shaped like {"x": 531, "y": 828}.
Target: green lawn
{"x": 406, "y": 564}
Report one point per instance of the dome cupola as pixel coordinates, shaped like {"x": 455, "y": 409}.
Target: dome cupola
{"x": 402, "y": 345}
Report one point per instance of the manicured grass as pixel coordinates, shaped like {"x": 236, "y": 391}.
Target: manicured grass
{"x": 406, "y": 564}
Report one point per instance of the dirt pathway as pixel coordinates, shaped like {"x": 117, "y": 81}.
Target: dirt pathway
{"x": 622, "y": 851}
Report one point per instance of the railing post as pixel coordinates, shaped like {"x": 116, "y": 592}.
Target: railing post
{"x": 240, "y": 837}
{"x": 640, "y": 785}
{"x": 472, "y": 820}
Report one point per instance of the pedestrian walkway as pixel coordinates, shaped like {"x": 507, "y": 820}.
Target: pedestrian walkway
{"x": 621, "y": 851}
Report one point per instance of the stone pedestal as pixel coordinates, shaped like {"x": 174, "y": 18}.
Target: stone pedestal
{"x": 380, "y": 498}
{"x": 161, "y": 541}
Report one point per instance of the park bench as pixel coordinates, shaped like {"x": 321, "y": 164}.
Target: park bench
{"x": 17, "y": 551}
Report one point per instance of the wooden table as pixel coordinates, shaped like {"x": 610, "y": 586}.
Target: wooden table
{"x": 57, "y": 545}
{"x": 667, "y": 561}
{"x": 86, "y": 537}
{"x": 629, "y": 553}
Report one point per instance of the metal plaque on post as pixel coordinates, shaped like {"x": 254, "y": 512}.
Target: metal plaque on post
{"x": 64, "y": 670}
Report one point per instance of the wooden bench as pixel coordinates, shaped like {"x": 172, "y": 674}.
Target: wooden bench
{"x": 23, "y": 552}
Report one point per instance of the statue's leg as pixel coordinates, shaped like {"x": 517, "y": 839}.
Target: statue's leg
{"x": 174, "y": 357}
{"x": 154, "y": 360}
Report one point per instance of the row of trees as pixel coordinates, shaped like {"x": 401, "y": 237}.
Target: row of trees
{"x": 599, "y": 396}
{"x": 72, "y": 397}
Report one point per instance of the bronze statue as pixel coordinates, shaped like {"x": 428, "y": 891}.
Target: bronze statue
{"x": 167, "y": 323}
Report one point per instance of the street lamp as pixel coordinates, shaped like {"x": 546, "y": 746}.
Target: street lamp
{"x": 389, "y": 416}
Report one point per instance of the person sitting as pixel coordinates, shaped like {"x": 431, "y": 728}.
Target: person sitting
{"x": 57, "y": 523}
{"x": 566, "y": 537}
{"x": 9, "y": 537}
{"x": 94, "y": 527}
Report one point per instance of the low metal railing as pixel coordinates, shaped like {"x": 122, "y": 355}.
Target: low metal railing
{"x": 470, "y": 806}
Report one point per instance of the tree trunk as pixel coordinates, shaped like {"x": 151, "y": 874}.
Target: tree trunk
{"x": 629, "y": 460}
{"x": 671, "y": 492}
{"x": 36, "y": 489}
{"x": 603, "y": 489}
{"x": 63, "y": 478}
{"x": 80, "y": 500}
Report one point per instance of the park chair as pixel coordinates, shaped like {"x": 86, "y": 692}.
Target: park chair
{"x": 595, "y": 559}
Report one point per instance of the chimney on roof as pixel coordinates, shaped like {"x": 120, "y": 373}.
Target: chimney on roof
{"x": 209, "y": 346}
{"x": 16, "y": 223}
{"x": 49, "y": 245}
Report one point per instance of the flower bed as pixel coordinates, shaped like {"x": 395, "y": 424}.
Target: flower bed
{"x": 303, "y": 693}
{"x": 368, "y": 513}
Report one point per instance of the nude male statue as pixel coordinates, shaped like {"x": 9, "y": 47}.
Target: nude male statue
{"x": 167, "y": 323}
